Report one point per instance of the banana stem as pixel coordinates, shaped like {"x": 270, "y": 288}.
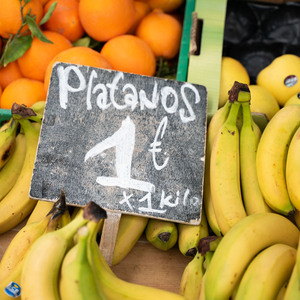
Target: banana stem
{"x": 247, "y": 117}
{"x": 233, "y": 114}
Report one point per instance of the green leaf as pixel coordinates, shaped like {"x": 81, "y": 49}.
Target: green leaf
{"x": 48, "y": 13}
{"x": 35, "y": 30}
{"x": 83, "y": 42}
{"x": 16, "y": 48}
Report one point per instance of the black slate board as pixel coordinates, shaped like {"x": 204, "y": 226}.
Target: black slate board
{"x": 133, "y": 144}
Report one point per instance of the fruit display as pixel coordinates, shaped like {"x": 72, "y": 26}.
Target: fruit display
{"x": 247, "y": 243}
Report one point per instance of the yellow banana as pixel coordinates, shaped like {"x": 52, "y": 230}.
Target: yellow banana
{"x": 249, "y": 138}
{"x": 11, "y": 170}
{"x": 161, "y": 234}
{"x": 8, "y": 141}
{"x": 190, "y": 283}
{"x": 39, "y": 279}
{"x": 297, "y": 218}
{"x": 225, "y": 173}
{"x": 17, "y": 205}
{"x": 207, "y": 259}
{"x": 130, "y": 230}
{"x": 267, "y": 272}
{"x": 217, "y": 120}
{"x": 27, "y": 235}
{"x": 271, "y": 158}
{"x": 14, "y": 276}
{"x": 39, "y": 211}
{"x": 77, "y": 280}
{"x": 238, "y": 247}
{"x": 115, "y": 288}
{"x": 293, "y": 170}
{"x": 293, "y": 291}
{"x": 190, "y": 235}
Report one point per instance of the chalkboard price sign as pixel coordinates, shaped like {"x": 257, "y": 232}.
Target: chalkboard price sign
{"x": 133, "y": 144}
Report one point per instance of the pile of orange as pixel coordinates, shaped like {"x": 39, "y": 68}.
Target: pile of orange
{"x": 130, "y": 36}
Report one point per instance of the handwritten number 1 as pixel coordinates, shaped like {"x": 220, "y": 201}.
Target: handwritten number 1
{"x": 123, "y": 140}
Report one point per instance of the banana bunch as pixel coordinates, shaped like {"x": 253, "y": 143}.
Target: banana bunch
{"x": 11, "y": 264}
{"x": 254, "y": 260}
{"x": 67, "y": 264}
{"x": 18, "y": 144}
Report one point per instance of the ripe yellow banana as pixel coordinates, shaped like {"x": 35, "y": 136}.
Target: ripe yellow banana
{"x": 20, "y": 243}
{"x": 191, "y": 278}
{"x": 14, "y": 276}
{"x": 77, "y": 280}
{"x": 190, "y": 235}
{"x": 39, "y": 211}
{"x": 225, "y": 173}
{"x": 39, "y": 279}
{"x": 130, "y": 230}
{"x": 161, "y": 234}
{"x": 115, "y": 288}
{"x": 8, "y": 141}
{"x": 293, "y": 291}
{"x": 266, "y": 273}
{"x": 249, "y": 138}
{"x": 271, "y": 158}
{"x": 217, "y": 120}
{"x": 238, "y": 247}
{"x": 293, "y": 170}
{"x": 207, "y": 259}
{"x": 17, "y": 205}
{"x": 10, "y": 172}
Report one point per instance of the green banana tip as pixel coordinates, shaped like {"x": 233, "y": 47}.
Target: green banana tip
{"x": 239, "y": 92}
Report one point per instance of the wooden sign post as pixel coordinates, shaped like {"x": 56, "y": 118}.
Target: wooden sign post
{"x": 133, "y": 144}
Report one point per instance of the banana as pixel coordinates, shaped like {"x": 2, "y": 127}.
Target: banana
{"x": 293, "y": 291}
{"x": 190, "y": 235}
{"x": 225, "y": 173}
{"x": 297, "y": 218}
{"x": 217, "y": 120}
{"x": 17, "y": 205}
{"x": 130, "y": 230}
{"x": 115, "y": 288}
{"x": 11, "y": 170}
{"x": 238, "y": 247}
{"x": 249, "y": 138}
{"x": 77, "y": 281}
{"x": 161, "y": 234}
{"x": 8, "y": 141}
{"x": 191, "y": 278}
{"x": 271, "y": 158}
{"x": 14, "y": 276}
{"x": 25, "y": 237}
{"x": 207, "y": 259}
{"x": 267, "y": 272}
{"x": 39, "y": 211}
{"x": 38, "y": 107}
{"x": 39, "y": 279}
{"x": 293, "y": 170}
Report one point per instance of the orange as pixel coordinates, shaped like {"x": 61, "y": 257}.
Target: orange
{"x": 0, "y": 91}
{"x": 9, "y": 73}
{"x": 23, "y": 91}
{"x": 34, "y": 62}
{"x": 166, "y": 5}
{"x": 65, "y": 19}
{"x": 141, "y": 10}
{"x": 77, "y": 55}
{"x": 105, "y": 19}
{"x": 162, "y": 32}
{"x": 10, "y": 15}
{"x": 129, "y": 53}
